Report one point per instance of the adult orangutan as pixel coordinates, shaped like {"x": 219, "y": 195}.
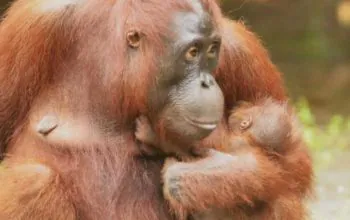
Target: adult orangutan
{"x": 74, "y": 76}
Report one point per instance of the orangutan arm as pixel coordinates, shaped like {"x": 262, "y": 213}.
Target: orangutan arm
{"x": 33, "y": 191}
{"x": 221, "y": 180}
{"x": 224, "y": 181}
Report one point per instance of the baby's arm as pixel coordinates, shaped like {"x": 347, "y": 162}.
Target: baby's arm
{"x": 145, "y": 134}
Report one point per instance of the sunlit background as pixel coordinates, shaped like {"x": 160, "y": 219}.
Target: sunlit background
{"x": 309, "y": 40}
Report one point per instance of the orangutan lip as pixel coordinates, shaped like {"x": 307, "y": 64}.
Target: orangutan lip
{"x": 201, "y": 124}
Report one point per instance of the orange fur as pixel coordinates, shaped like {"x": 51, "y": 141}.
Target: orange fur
{"x": 245, "y": 179}
{"x": 246, "y": 74}
{"x": 72, "y": 61}
{"x": 33, "y": 191}
{"x": 261, "y": 171}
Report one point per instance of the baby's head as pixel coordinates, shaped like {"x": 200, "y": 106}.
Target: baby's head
{"x": 267, "y": 123}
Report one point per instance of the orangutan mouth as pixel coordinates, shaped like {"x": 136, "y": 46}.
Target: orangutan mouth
{"x": 202, "y": 124}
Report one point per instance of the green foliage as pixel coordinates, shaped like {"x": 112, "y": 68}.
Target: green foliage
{"x": 324, "y": 141}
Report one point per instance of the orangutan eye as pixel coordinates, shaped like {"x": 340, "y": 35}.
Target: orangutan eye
{"x": 213, "y": 50}
{"x": 192, "y": 53}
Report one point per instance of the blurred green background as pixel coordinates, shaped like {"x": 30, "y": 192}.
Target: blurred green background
{"x": 309, "y": 40}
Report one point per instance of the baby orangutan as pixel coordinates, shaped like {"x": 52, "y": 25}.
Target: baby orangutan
{"x": 266, "y": 125}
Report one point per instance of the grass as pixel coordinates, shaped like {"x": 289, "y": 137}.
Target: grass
{"x": 327, "y": 143}
{"x": 324, "y": 141}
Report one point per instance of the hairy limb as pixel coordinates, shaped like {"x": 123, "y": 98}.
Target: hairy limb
{"x": 288, "y": 206}
{"x": 223, "y": 181}
{"x": 33, "y": 191}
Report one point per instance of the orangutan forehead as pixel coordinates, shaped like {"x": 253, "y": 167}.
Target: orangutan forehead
{"x": 189, "y": 22}
{"x": 196, "y": 6}
{"x": 56, "y": 5}
{"x": 195, "y": 21}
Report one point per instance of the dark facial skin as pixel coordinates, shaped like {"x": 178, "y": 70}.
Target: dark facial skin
{"x": 186, "y": 97}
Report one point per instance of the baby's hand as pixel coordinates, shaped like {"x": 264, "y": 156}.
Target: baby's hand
{"x": 145, "y": 134}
